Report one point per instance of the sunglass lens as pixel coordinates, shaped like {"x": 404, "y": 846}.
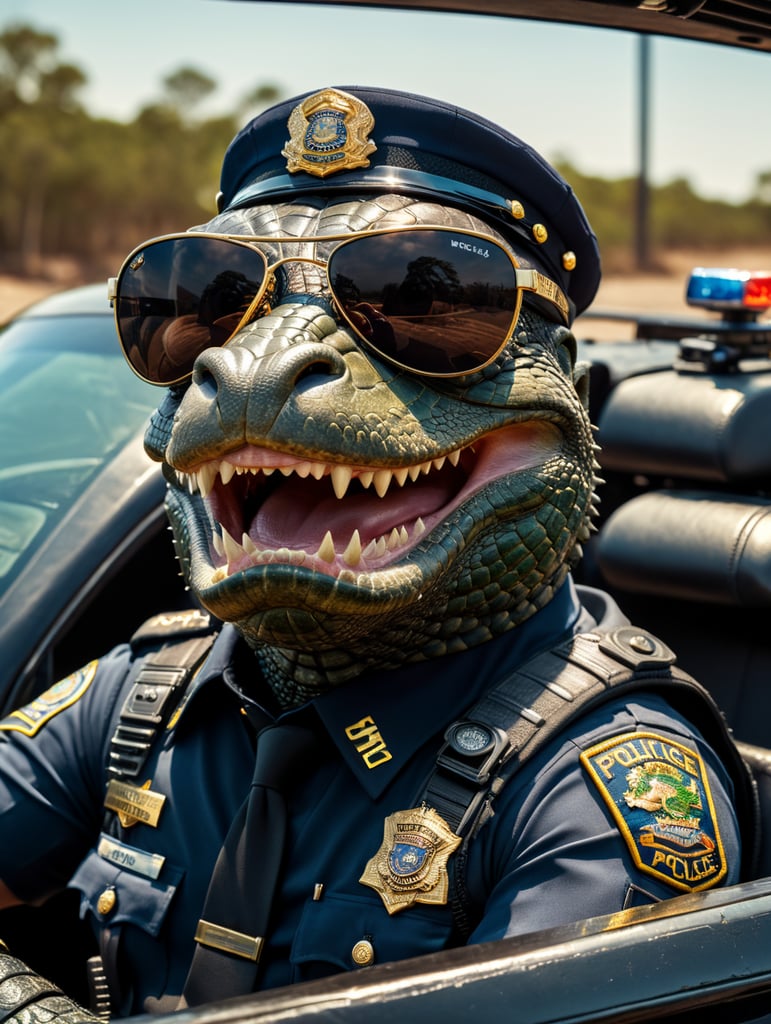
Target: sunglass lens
{"x": 439, "y": 302}
{"x": 179, "y": 296}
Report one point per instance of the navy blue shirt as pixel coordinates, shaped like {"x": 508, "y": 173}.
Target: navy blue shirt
{"x": 556, "y": 851}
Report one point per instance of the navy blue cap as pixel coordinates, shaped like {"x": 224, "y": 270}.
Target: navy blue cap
{"x": 360, "y": 139}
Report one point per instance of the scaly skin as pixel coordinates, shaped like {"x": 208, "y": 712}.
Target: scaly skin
{"x": 474, "y": 545}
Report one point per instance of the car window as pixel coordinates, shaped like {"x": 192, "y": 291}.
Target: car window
{"x": 66, "y": 405}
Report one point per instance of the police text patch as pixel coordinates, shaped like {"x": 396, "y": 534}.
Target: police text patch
{"x": 658, "y": 793}
{"x": 33, "y": 716}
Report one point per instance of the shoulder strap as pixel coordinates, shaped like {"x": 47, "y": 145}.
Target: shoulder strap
{"x": 518, "y": 716}
{"x": 185, "y": 639}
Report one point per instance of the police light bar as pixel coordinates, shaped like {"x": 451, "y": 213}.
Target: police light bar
{"x": 729, "y": 289}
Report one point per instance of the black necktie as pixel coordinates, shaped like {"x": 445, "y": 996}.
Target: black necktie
{"x": 236, "y": 913}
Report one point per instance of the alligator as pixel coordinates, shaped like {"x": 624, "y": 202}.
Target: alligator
{"x": 345, "y": 514}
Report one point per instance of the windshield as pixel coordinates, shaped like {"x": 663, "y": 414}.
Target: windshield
{"x": 67, "y": 403}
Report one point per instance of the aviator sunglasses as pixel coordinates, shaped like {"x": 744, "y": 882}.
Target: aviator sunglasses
{"x": 436, "y": 301}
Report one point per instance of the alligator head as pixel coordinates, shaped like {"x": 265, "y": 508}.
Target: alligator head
{"x": 345, "y": 513}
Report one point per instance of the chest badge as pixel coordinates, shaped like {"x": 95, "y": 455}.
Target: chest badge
{"x": 411, "y": 864}
{"x": 134, "y": 804}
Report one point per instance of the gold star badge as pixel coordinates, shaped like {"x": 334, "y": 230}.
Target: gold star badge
{"x": 134, "y": 804}
{"x": 411, "y": 864}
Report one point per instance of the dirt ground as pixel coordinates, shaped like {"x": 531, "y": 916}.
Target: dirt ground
{"x": 655, "y": 292}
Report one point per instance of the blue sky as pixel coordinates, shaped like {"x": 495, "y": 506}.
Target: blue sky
{"x": 567, "y": 91}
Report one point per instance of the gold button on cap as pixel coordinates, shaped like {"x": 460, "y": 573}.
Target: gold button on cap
{"x": 363, "y": 953}
{"x": 107, "y": 902}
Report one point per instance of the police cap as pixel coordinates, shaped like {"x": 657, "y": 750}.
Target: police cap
{"x": 359, "y": 139}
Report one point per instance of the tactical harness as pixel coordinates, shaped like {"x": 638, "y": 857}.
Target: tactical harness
{"x": 483, "y": 750}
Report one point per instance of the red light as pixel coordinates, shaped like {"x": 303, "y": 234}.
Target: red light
{"x": 757, "y": 291}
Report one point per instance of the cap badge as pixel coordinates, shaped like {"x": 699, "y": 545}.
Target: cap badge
{"x": 411, "y": 864}
{"x": 328, "y": 132}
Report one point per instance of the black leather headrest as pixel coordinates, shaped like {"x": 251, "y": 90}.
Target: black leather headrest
{"x": 702, "y": 427}
{"x": 693, "y": 545}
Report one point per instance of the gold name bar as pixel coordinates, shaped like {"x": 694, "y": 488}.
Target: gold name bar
{"x": 228, "y": 941}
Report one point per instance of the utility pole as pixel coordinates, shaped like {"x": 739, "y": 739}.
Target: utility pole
{"x": 642, "y": 213}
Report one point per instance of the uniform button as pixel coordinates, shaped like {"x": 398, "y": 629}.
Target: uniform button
{"x": 107, "y": 902}
{"x": 363, "y": 953}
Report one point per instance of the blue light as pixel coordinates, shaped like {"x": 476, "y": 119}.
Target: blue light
{"x": 716, "y": 288}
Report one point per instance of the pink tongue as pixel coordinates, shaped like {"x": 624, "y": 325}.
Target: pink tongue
{"x": 299, "y": 512}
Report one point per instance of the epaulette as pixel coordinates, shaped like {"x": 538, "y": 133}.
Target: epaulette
{"x": 176, "y": 644}
{"x": 163, "y": 627}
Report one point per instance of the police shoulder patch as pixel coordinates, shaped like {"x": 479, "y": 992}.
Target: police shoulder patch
{"x": 61, "y": 695}
{"x": 658, "y": 793}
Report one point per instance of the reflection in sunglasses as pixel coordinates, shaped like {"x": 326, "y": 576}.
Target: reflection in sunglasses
{"x": 432, "y": 300}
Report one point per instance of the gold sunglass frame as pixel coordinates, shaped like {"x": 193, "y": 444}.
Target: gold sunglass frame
{"x": 526, "y": 279}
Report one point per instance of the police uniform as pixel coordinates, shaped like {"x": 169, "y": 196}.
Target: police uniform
{"x": 554, "y": 852}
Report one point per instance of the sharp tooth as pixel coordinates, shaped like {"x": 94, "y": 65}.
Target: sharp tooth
{"x": 326, "y": 550}
{"x": 418, "y": 529}
{"x": 233, "y": 549}
{"x": 302, "y": 469}
{"x": 382, "y": 481}
{"x": 393, "y": 539}
{"x": 207, "y": 474}
{"x": 414, "y": 472}
{"x": 248, "y": 544}
{"x": 286, "y": 470}
{"x": 365, "y": 479}
{"x": 375, "y": 548}
{"x": 216, "y": 541}
{"x": 341, "y": 477}
{"x": 400, "y": 475}
{"x": 268, "y": 470}
{"x": 438, "y": 463}
{"x": 192, "y": 483}
{"x": 317, "y": 470}
{"x": 227, "y": 471}
{"x": 352, "y": 553}
{"x": 454, "y": 457}
{"x": 425, "y": 467}
{"x": 403, "y": 535}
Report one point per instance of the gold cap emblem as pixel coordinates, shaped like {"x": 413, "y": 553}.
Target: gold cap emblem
{"x": 411, "y": 864}
{"x": 328, "y": 132}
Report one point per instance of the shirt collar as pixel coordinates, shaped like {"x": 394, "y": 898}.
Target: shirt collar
{"x": 379, "y": 722}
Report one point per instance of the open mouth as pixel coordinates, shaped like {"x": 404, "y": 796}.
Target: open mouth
{"x": 267, "y": 507}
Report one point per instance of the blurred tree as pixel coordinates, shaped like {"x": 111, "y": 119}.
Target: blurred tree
{"x": 186, "y": 88}
{"x": 57, "y": 87}
{"x": 30, "y": 72}
{"x": 38, "y": 102}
